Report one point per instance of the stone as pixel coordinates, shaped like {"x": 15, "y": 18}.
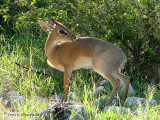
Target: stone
{"x": 153, "y": 102}
{"x": 99, "y": 90}
{"x": 47, "y": 113}
{"x": 117, "y": 108}
{"x": 6, "y": 103}
{"x": 141, "y": 109}
{"x": 3, "y": 95}
{"x": 78, "y": 112}
{"x": 61, "y": 96}
{"x": 14, "y": 101}
{"x": 11, "y": 99}
{"x": 12, "y": 93}
{"x": 64, "y": 111}
{"x": 104, "y": 83}
{"x": 54, "y": 98}
{"x": 17, "y": 100}
{"x": 135, "y": 101}
{"x": 130, "y": 90}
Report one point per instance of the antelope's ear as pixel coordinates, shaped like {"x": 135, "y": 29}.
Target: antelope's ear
{"x": 46, "y": 26}
{"x": 52, "y": 21}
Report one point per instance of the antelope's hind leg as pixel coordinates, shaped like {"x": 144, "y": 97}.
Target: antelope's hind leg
{"x": 115, "y": 83}
{"x": 126, "y": 81}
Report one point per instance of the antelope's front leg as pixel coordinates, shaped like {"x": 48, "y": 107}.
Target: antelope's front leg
{"x": 67, "y": 75}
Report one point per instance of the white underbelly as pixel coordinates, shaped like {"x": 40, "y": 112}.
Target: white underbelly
{"x": 49, "y": 63}
{"x": 83, "y": 62}
{"x": 59, "y": 67}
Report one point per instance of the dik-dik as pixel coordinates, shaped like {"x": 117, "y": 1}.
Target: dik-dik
{"x": 66, "y": 53}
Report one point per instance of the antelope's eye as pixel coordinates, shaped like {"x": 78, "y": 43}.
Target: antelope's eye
{"x": 63, "y": 32}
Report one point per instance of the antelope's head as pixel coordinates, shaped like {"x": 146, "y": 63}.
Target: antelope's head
{"x": 57, "y": 30}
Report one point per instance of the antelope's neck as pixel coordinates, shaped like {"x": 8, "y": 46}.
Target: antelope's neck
{"x": 51, "y": 46}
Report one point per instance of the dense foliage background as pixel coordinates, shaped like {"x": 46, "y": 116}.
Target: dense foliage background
{"x": 134, "y": 25}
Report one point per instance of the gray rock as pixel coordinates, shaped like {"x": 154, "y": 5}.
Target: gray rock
{"x": 135, "y": 101}
{"x": 48, "y": 113}
{"x": 12, "y": 93}
{"x": 99, "y": 90}
{"x": 6, "y": 103}
{"x": 14, "y": 101}
{"x": 65, "y": 111}
{"x": 116, "y": 108}
{"x": 54, "y": 98}
{"x": 130, "y": 90}
{"x": 61, "y": 96}
{"x": 78, "y": 112}
{"x": 104, "y": 83}
{"x": 141, "y": 109}
{"x": 7, "y": 96}
{"x": 17, "y": 100}
{"x": 153, "y": 102}
{"x": 3, "y": 95}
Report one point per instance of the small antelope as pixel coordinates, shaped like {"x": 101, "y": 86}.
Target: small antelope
{"x": 66, "y": 53}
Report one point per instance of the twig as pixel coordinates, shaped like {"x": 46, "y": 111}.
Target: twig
{"x": 28, "y": 69}
{"x": 150, "y": 29}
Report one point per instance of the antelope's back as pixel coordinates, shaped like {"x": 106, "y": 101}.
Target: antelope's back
{"x": 101, "y": 50}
